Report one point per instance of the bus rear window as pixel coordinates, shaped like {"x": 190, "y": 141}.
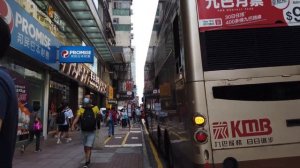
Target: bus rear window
{"x": 259, "y": 92}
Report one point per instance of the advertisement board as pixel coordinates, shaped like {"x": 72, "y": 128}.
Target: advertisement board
{"x": 28, "y": 36}
{"x": 240, "y": 14}
{"x": 76, "y": 54}
{"x": 24, "y": 109}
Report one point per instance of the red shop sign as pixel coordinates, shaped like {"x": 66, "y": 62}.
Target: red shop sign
{"x": 240, "y": 14}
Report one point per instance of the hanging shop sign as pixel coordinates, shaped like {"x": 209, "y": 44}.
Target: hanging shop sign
{"x": 112, "y": 101}
{"x": 165, "y": 89}
{"x": 110, "y": 92}
{"x": 124, "y": 96}
{"x": 76, "y": 54}
{"x": 238, "y": 14}
{"x": 83, "y": 74}
{"x": 28, "y": 36}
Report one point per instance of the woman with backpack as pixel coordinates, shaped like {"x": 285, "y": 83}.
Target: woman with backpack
{"x": 35, "y": 129}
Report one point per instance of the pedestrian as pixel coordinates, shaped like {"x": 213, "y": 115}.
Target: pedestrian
{"x": 138, "y": 114}
{"x": 124, "y": 118}
{"x": 134, "y": 115}
{"x": 111, "y": 119}
{"x": 8, "y": 104}
{"x": 65, "y": 114}
{"x": 87, "y": 115}
{"x": 35, "y": 129}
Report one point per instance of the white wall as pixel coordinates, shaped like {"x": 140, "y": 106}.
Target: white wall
{"x": 122, "y": 38}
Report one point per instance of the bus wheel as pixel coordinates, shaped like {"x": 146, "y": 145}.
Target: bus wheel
{"x": 168, "y": 150}
{"x": 230, "y": 162}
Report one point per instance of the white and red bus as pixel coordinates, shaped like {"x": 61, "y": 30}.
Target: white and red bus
{"x": 222, "y": 84}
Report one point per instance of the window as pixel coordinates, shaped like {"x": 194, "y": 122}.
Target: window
{"x": 115, "y": 20}
{"x": 259, "y": 92}
{"x": 122, "y": 27}
{"x": 121, "y": 5}
{"x": 121, "y": 12}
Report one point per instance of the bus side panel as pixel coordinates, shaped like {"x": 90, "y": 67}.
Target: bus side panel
{"x": 272, "y": 156}
{"x": 196, "y": 105}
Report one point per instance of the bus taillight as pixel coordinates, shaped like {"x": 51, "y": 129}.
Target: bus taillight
{"x": 201, "y": 136}
{"x": 199, "y": 120}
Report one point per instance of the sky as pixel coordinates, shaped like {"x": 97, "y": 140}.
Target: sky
{"x": 142, "y": 19}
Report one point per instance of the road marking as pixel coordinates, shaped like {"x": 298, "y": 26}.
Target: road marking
{"x": 113, "y": 146}
{"x": 134, "y": 137}
{"x": 106, "y": 140}
{"x": 158, "y": 161}
{"x": 136, "y": 131}
{"x": 143, "y": 121}
{"x": 154, "y": 151}
{"x": 125, "y": 145}
{"x": 125, "y": 139}
{"x": 132, "y": 145}
{"x": 118, "y": 137}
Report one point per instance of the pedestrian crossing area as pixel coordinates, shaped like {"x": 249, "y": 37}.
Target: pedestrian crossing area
{"x": 125, "y": 137}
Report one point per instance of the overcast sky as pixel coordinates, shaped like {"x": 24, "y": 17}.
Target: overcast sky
{"x": 142, "y": 19}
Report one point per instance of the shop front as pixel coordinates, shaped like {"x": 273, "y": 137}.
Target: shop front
{"x": 31, "y": 55}
{"x": 88, "y": 82}
{"x": 29, "y": 88}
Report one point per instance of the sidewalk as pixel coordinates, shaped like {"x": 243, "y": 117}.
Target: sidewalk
{"x": 121, "y": 151}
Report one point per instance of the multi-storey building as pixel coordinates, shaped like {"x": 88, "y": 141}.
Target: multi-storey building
{"x": 121, "y": 18}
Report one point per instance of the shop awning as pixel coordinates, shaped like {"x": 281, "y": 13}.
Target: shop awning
{"x": 85, "y": 13}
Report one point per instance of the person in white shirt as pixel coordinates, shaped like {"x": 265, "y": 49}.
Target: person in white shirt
{"x": 64, "y": 127}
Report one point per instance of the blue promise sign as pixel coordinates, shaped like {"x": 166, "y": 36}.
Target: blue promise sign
{"x": 28, "y": 36}
{"x": 76, "y": 54}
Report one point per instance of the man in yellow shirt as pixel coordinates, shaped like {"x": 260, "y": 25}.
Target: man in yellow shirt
{"x": 87, "y": 115}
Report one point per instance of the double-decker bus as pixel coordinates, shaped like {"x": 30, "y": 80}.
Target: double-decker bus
{"x": 222, "y": 83}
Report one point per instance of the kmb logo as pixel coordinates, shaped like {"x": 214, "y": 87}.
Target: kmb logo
{"x": 242, "y": 128}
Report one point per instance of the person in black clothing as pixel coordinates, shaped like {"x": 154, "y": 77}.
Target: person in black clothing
{"x": 8, "y": 104}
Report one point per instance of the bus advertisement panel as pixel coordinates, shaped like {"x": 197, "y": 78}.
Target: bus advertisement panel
{"x": 239, "y": 14}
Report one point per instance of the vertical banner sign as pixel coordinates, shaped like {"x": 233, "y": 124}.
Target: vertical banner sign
{"x": 28, "y": 36}
{"x": 110, "y": 92}
{"x": 239, "y": 14}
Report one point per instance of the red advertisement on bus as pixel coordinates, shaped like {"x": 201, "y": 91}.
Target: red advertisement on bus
{"x": 239, "y": 14}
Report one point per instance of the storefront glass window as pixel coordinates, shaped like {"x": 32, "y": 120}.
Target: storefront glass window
{"x": 26, "y": 72}
{"x": 57, "y": 93}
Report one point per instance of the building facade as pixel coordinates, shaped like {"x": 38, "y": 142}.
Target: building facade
{"x": 120, "y": 11}
{"x": 39, "y": 29}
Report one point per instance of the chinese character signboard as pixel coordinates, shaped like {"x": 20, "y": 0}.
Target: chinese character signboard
{"x": 241, "y": 133}
{"x": 238, "y": 14}
{"x": 28, "y": 36}
{"x": 76, "y": 54}
{"x": 84, "y": 75}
